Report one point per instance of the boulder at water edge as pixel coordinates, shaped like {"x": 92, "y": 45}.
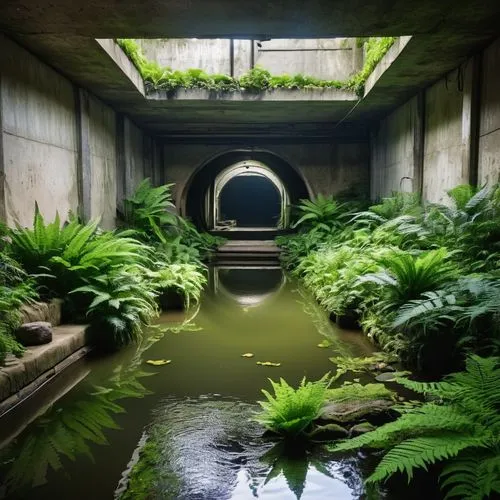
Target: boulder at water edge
{"x": 36, "y": 333}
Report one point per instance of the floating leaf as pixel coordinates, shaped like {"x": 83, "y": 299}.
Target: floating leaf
{"x": 324, "y": 344}
{"x": 267, "y": 363}
{"x": 248, "y": 355}
{"x": 158, "y": 362}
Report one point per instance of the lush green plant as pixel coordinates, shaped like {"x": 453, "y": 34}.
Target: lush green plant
{"x": 290, "y": 412}
{"x": 323, "y": 213}
{"x": 471, "y": 225}
{"x": 376, "y": 48}
{"x": 297, "y": 246}
{"x": 147, "y": 211}
{"x": 462, "y": 317}
{"x": 406, "y": 277}
{"x": 16, "y": 289}
{"x": 151, "y": 213}
{"x": 185, "y": 279}
{"x": 459, "y": 427}
{"x": 61, "y": 256}
{"x": 257, "y": 79}
{"x": 123, "y": 302}
{"x": 68, "y": 260}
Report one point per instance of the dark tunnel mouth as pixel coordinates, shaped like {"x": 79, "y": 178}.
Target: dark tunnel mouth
{"x": 194, "y": 197}
{"x": 251, "y": 201}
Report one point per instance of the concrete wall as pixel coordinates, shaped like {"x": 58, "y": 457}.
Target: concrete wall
{"x": 336, "y": 58}
{"x": 62, "y": 148}
{"x": 392, "y": 151}
{"x": 329, "y": 59}
{"x": 102, "y": 141}
{"x": 489, "y": 128}
{"x": 325, "y": 168}
{"x": 39, "y": 137}
{"x": 134, "y": 157}
{"x": 460, "y": 139}
{"x": 443, "y": 166}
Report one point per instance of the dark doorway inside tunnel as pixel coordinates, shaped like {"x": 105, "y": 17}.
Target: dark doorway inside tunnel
{"x": 250, "y": 201}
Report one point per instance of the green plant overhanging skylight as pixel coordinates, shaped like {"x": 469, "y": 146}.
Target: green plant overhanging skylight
{"x": 257, "y": 79}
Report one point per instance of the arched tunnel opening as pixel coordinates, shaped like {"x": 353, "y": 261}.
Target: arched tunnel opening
{"x": 243, "y": 190}
{"x": 250, "y": 201}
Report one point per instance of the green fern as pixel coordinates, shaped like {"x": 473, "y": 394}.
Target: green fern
{"x": 186, "y": 279}
{"x": 290, "y": 412}
{"x": 461, "y": 429}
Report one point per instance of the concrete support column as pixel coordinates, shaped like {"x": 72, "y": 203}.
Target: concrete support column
{"x": 157, "y": 150}
{"x": 147, "y": 148}
{"x": 120, "y": 161}
{"x": 3, "y": 210}
{"x": 84, "y": 164}
{"x": 357, "y": 56}
{"x": 470, "y": 117}
{"x": 377, "y": 162}
{"x": 419, "y": 143}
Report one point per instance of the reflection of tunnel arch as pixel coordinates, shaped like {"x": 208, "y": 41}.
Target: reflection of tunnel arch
{"x": 198, "y": 200}
{"x": 249, "y": 287}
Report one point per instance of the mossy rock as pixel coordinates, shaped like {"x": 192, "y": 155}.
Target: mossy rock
{"x": 328, "y": 432}
{"x": 362, "y": 428}
{"x": 352, "y": 411}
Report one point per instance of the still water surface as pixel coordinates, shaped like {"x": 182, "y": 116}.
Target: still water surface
{"x": 196, "y": 408}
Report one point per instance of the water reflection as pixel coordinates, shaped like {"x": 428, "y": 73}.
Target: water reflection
{"x": 248, "y": 287}
{"x": 198, "y": 447}
{"x": 214, "y": 450}
{"x": 66, "y": 431}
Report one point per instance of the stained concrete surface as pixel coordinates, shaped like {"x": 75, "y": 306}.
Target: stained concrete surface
{"x": 39, "y": 361}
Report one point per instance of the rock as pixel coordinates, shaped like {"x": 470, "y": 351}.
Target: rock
{"x": 362, "y": 428}
{"x": 385, "y": 377}
{"x": 389, "y": 376}
{"x": 35, "y": 333}
{"x": 384, "y": 367}
{"x": 355, "y": 410}
{"x": 329, "y": 431}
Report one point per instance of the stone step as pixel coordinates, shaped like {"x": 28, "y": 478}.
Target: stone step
{"x": 20, "y": 377}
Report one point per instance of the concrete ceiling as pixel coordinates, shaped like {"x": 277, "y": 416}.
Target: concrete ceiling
{"x": 256, "y": 18}
{"x": 62, "y": 32}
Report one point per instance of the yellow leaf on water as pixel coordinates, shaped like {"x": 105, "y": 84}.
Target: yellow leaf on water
{"x": 158, "y": 362}
{"x": 267, "y": 363}
{"x": 248, "y": 355}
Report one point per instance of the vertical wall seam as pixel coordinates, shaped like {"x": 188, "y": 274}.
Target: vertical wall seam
{"x": 84, "y": 165}
{"x": 477, "y": 67}
{"x": 3, "y": 206}
{"x": 120, "y": 160}
{"x": 419, "y": 144}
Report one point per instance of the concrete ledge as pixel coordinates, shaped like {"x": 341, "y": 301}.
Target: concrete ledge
{"x": 21, "y": 377}
{"x": 295, "y": 95}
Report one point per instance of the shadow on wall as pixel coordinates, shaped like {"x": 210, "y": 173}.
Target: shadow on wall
{"x": 253, "y": 201}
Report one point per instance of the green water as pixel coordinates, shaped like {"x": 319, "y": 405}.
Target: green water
{"x": 196, "y": 409}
